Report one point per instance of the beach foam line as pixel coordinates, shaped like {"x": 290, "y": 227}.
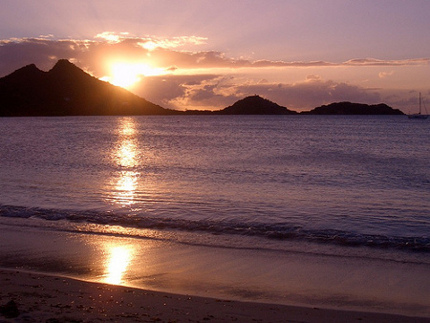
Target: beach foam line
{"x": 274, "y": 232}
{"x": 43, "y": 298}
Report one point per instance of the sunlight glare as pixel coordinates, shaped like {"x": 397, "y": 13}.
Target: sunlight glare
{"x": 117, "y": 264}
{"x": 126, "y": 155}
{"x": 127, "y": 149}
{"x": 126, "y": 188}
{"x": 128, "y": 74}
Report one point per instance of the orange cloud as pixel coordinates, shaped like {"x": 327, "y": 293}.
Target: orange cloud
{"x": 151, "y": 42}
{"x": 89, "y": 54}
{"x": 385, "y": 74}
{"x": 378, "y": 62}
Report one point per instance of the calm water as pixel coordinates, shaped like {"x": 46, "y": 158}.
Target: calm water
{"x": 355, "y": 184}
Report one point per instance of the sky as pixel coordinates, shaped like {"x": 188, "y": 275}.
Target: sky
{"x": 201, "y": 54}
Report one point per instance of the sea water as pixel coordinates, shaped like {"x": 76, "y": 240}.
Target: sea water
{"x": 346, "y": 187}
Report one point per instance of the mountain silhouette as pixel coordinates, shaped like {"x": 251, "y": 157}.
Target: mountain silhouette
{"x": 67, "y": 90}
{"x": 255, "y": 105}
{"x": 349, "y": 108}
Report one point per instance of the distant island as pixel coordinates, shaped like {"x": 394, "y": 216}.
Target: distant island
{"x": 251, "y": 105}
{"x": 348, "y": 108}
{"x": 255, "y": 105}
{"x": 66, "y": 90}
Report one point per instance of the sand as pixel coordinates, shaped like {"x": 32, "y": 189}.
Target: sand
{"x": 61, "y": 276}
{"x": 32, "y": 297}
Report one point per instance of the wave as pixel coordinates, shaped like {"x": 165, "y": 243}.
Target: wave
{"x": 278, "y": 231}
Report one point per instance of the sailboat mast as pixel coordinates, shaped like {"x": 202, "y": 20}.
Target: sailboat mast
{"x": 419, "y": 115}
{"x": 419, "y": 102}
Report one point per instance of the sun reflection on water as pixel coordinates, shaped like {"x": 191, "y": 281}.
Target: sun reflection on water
{"x": 126, "y": 188}
{"x": 127, "y": 153}
{"x": 117, "y": 264}
{"x": 124, "y": 185}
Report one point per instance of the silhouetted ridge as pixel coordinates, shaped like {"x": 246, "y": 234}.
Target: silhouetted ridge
{"x": 64, "y": 69}
{"x": 64, "y": 64}
{"x": 67, "y": 90}
{"x": 349, "y": 108}
{"x": 28, "y": 69}
{"x": 255, "y": 105}
{"x": 30, "y": 72}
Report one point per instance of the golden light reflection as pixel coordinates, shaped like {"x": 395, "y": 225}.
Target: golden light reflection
{"x": 126, "y": 156}
{"x": 117, "y": 264}
{"x": 126, "y": 188}
{"x": 127, "y": 127}
{"x": 127, "y": 153}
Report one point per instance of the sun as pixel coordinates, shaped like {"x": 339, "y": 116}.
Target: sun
{"x": 126, "y": 74}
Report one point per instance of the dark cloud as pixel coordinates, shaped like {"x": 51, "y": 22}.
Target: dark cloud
{"x": 44, "y": 53}
{"x": 312, "y": 93}
{"x": 168, "y": 89}
{"x": 92, "y": 55}
{"x": 185, "y": 92}
{"x": 216, "y": 92}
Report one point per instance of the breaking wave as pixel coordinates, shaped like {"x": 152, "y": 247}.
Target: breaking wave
{"x": 278, "y": 231}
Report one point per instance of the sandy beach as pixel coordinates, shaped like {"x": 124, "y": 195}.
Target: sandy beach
{"x": 56, "y": 276}
{"x": 31, "y": 297}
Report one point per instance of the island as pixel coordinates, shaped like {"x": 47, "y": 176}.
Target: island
{"x": 349, "y": 108}
{"x": 255, "y": 105}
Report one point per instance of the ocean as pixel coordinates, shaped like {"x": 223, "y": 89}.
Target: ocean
{"x": 264, "y": 200}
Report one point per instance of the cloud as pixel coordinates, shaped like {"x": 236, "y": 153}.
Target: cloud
{"x": 185, "y": 92}
{"x": 378, "y": 62}
{"x": 383, "y": 75}
{"x": 152, "y": 42}
{"x": 313, "y": 92}
{"x": 162, "y": 52}
{"x": 93, "y": 55}
{"x": 112, "y": 37}
{"x": 209, "y": 92}
{"x": 15, "y": 53}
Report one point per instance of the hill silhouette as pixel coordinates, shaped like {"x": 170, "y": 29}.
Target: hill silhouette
{"x": 349, "y": 108}
{"x": 255, "y": 105}
{"x": 67, "y": 90}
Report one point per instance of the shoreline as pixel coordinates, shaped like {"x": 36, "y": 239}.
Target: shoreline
{"x": 41, "y": 262}
{"x": 40, "y": 298}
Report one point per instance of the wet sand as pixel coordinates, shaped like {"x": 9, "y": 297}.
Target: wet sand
{"x": 34, "y": 297}
{"x": 61, "y": 276}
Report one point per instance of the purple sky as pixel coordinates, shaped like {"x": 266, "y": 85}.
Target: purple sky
{"x": 208, "y": 54}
